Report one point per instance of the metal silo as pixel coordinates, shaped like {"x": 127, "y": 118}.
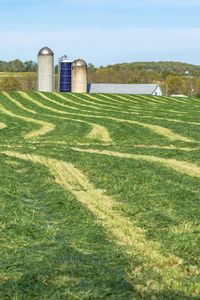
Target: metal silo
{"x": 65, "y": 79}
{"x": 45, "y": 74}
{"x": 79, "y": 76}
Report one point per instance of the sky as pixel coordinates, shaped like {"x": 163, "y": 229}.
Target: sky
{"x": 102, "y": 32}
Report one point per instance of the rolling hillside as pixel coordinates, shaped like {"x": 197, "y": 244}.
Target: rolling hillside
{"x": 99, "y": 196}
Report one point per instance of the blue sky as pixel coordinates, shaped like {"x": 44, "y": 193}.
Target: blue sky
{"x": 101, "y": 31}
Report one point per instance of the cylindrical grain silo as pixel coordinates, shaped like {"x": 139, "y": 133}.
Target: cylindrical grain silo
{"x": 79, "y": 76}
{"x": 65, "y": 79}
{"x": 45, "y": 73}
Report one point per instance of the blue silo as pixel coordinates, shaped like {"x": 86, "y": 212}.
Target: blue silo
{"x": 65, "y": 79}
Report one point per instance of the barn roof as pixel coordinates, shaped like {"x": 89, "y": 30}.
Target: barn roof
{"x": 143, "y": 89}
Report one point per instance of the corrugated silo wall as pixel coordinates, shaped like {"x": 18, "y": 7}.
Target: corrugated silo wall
{"x": 65, "y": 80}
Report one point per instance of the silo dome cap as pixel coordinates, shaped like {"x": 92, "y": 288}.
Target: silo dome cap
{"x": 79, "y": 63}
{"x": 45, "y": 51}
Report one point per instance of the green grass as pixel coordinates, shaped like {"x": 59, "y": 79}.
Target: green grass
{"x": 84, "y": 218}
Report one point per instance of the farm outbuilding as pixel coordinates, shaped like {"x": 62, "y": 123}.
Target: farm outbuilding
{"x": 138, "y": 89}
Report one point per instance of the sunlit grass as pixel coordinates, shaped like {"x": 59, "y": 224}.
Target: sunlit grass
{"x": 99, "y": 196}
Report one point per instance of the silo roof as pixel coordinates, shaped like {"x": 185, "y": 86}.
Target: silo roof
{"x": 79, "y": 63}
{"x": 45, "y": 51}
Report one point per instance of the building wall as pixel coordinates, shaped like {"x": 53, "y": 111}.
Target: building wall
{"x": 158, "y": 91}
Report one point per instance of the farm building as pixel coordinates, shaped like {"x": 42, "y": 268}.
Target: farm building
{"x": 139, "y": 89}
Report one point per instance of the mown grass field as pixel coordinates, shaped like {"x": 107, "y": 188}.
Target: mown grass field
{"x": 99, "y": 196}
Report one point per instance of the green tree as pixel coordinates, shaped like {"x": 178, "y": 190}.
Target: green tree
{"x": 176, "y": 84}
{"x": 56, "y": 69}
{"x": 10, "y": 83}
{"x": 30, "y": 66}
{"x": 91, "y": 67}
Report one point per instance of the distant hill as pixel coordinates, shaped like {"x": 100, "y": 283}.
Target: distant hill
{"x": 172, "y": 66}
{"x": 177, "y": 67}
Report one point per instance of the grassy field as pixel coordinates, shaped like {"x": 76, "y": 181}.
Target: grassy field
{"x": 27, "y": 79}
{"x": 99, "y": 196}
{"x": 15, "y": 74}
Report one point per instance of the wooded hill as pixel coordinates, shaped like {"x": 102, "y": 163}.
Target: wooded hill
{"x": 177, "y": 67}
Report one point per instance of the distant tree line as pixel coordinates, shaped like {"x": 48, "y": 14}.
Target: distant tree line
{"x": 18, "y": 66}
{"x": 173, "y": 77}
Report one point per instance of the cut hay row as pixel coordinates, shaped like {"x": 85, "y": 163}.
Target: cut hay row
{"x": 169, "y": 134}
{"x": 171, "y": 147}
{"x": 64, "y": 105}
{"x": 97, "y": 132}
{"x": 184, "y": 227}
{"x": 74, "y": 102}
{"x": 125, "y": 98}
{"x": 45, "y": 126}
{"x": 108, "y": 108}
{"x": 25, "y": 95}
{"x": 115, "y": 99}
{"x": 18, "y": 103}
{"x": 156, "y": 100}
{"x": 174, "y": 99}
{"x": 171, "y": 268}
{"x": 145, "y": 101}
{"x": 42, "y": 95}
{"x": 2, "y": 125}
{"x": 179, "y": 166}
{"x": 95, "y": 98}
{"x": 163, "y": 131}
{"x": 172, "y": 120}
{"x": 157, "y": 129}
{"x": 59, "y": 111}
{"x": 96, "y": 192}
{"x": 100, "y": 133}
{"x": 104, "y": 107}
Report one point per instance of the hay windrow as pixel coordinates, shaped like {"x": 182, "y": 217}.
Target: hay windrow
{"x": 101, "y": 102}
{"x": 169, "y": 134}
{"x": 45, "y": 126}
{"x": 79, "y": 103}
{"x": 157, "y": 129}
{"x": 55, "y": 102}
{"x": 18, "y": 103}
{"x": 180, "y": 166}
{"x": 172, "y": 120}
{"x": 98, "y": 132}
{"x": 2, "y": 125}
{"x": 125, "y": 233}
{"x": 156, "y": 100}
{"x": 170, "y": 147}
{"x": 106, "y": 107}
{"x": 94, "y": 207}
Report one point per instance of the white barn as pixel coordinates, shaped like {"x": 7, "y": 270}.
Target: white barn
{"x": 138, "y": 89}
